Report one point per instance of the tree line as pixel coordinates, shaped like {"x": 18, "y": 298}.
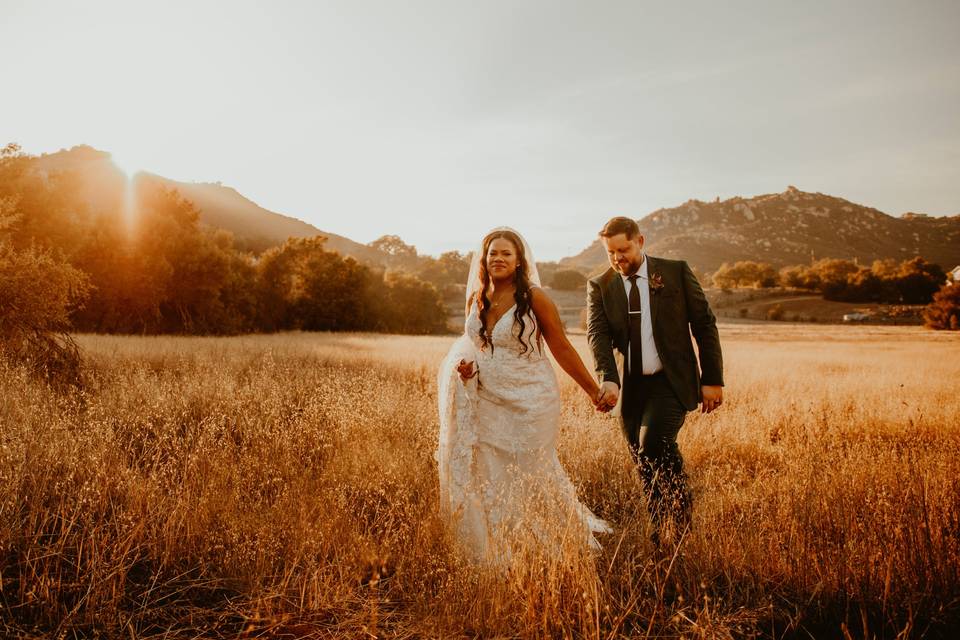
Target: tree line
{"x": 449, "y": 272}
{"x": 912, "y": 281}
{"x": 134, "y": 258}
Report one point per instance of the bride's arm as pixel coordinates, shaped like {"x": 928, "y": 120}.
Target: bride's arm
{"x": 548, "y": 318}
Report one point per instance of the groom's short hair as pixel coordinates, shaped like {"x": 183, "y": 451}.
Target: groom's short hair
{"x": 618, "y": 225}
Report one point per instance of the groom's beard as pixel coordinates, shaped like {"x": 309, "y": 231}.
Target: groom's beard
{"x": 629, "y": 268}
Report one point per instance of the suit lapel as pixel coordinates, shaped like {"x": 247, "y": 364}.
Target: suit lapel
{"x": 618, "y": 298}
{"x": 654, "y": 298}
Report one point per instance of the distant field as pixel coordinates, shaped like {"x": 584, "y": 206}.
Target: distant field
{"x": 803, "y": 306}
{"x": 284, "y": 486}
{"x": 738, "y": 305}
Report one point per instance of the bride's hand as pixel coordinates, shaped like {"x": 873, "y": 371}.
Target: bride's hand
{"x": 594, "y": 393}
{"x": 466, "y": 370}
{"x": 606, "y": 397}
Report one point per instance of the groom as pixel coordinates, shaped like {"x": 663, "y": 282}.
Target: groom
{"x": 646, "y": 308}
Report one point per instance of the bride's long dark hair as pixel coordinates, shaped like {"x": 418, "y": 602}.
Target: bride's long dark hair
{"x": 521, "y": 296}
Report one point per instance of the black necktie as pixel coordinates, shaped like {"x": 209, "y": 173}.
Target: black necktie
{"x": 636, "y": 340}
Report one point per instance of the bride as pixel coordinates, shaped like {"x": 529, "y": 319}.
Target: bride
{"x": 502, "y": 488}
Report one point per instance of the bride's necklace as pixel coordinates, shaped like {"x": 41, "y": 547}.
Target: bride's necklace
{"x": 495, "y": 303}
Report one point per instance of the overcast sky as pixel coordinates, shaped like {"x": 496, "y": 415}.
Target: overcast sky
{"x": 439, "y": 120}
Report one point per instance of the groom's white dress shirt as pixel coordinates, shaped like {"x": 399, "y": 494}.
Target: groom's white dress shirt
{"x": 648, "y": 349}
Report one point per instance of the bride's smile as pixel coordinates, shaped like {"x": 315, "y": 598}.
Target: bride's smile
{"x": 501, "y": 259}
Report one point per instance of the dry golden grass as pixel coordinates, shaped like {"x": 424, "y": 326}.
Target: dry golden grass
{"x": 284, "y": 486}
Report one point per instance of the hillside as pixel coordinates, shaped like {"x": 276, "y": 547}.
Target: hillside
{"x": 101, "y": 185}
{"x": 257, "y": 228}
{"x": 793, "y": 227}
{"x": 786, "y": 228}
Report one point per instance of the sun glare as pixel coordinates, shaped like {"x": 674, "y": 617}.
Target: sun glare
{"x": 126, "y": 164}
{"x": 130, "y": 170}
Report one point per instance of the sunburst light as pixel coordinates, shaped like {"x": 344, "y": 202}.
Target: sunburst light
{"x": 130, "y": 168}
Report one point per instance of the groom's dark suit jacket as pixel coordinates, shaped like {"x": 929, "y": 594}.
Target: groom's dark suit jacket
{"x": 677, "y": 309}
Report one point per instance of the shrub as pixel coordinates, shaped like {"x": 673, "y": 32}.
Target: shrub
{"x": 745, "y": 273}
{"x": 409, "y": 305}
{"x": 944, "y": 311}
{"x": 37, "y": 292}
{"x": 568, "y": 280}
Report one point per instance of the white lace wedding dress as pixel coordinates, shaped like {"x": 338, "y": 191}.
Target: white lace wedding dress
{"x": 502, "y": 487}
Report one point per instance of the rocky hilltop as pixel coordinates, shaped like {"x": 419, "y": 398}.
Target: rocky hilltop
{"x": 793, "y": 227}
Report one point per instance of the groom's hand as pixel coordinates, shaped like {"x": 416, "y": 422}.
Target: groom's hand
{"x": 712, "y": 398}
{"x": 607, "y": 397}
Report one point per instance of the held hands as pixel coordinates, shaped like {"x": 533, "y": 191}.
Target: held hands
{"x": 712, "y": 398}
{"x": 608, "y": 393}
{"x": 606, "y": 398}
{"x": 467, "y": 370}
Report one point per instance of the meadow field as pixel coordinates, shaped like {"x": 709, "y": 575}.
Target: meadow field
{"x": 285, "y": 486}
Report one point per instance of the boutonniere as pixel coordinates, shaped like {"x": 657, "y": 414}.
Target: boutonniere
{"x": 656, "y": 282}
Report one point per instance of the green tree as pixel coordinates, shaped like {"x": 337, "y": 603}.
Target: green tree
{"x": 238, "y": 295}
{"x": 918, "y": 280}
{"x": 38, "y": 289}
{"x": 864, "y": 286}
{"x": 943, "y": 312}
{"x": 406, "y": 304}
{"x": 160, "y": 272}
{"x": 886, "y": 269}
{"x": 723, "y": 278}
{"x": 302, "y": 285}
{"x": 333, "y": 293}
{"x": 447, "y": 273}
{"x": 834, "y": 275}
{"x": 799, "y": 277}
{"x": 568, "y": 280}
{"x": 745, "y": 273}
{"x": 398, "y": 253}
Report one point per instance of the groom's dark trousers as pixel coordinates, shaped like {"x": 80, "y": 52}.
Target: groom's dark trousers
{"x": 651, "y": 418}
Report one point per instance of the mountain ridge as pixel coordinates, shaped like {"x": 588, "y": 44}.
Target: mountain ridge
{"x": 255, "y": 227}
{"x": 792, "y": 227}
{"x": 220, "y": 206}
